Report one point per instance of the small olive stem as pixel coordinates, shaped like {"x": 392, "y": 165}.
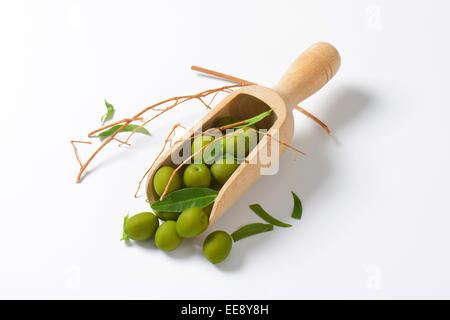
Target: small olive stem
{"x": 179, "y": 100}
{"x": 166, "y": 189}
{"x": 221, "y": 75}
{"x": 168, "y": 139}
{"x": 238, "y": 80}
{"x": 122, "y": 142}
{"x": 240, "y": 123}
{"x": 108, "y": 140}
{"x": 279, "y": 141}
{"x": 75, "y": 150}
{"x": 313, "y": 117}
{"x": 138, "y": 116}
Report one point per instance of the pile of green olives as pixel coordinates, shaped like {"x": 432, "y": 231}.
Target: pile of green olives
{"x": 203, "y": 173}
{"x": 170, "y": 234}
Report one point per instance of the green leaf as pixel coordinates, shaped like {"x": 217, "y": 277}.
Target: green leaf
{"x": 128, "y": 128}
{"x": 298, "y": 209}
{"x": 109, "y": 112}
{"x": 183, "y": 199}
{"x": 255, "y": 119}
{"x": 250, "y": 230}
{"x": 124, "y": 234}
{"x": 267, "y": 217}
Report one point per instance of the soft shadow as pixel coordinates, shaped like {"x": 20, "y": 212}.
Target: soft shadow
{"x": 123, "y": 153}
{"x": 147, "y": 244}
{"x": 186, "y": 249}
{"x": 345, "y": 106}
{"x": 307, "y": 176}
{"x": 304, "y": 176}
{"x": 210, "y": 76}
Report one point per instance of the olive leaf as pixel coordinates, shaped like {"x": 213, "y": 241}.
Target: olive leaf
{"x": 183, "y": 199}
{"x": 124, "y": 234}
{"x": 254, "y": 120}
{"x": 250, "y": 230}
{"x": 128, "y": 128}
{"x": 256, "y": 208}
{"x": 298, "y": 209}
{"x": 109, "y": 112}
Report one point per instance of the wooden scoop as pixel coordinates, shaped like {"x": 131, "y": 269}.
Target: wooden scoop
{"x": 309, "y": 72}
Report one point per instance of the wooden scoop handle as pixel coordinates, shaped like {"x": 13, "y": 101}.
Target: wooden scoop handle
{"x": 309, "y": 72}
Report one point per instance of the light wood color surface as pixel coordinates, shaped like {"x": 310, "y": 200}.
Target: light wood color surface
{"x": 307, "y": 74}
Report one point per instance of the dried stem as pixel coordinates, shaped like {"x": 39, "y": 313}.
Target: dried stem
{"x": 221, "y": 75}
{"x": 238, "y": 80}
{"x": 240, "y": 123}
{"x": 175, "y": 101}
{"x": 124, "y": 122}
{"x": 122, "y": 142}
{"x": 279, "y": 141}
{"x": 179, "y": 100}
{"x": 168, "y": 139}
{"x": 190, "y": 157}
{"x": 75, "y": 150}
{"x": 108, "y": 140}
{"x": 323, "y": 125}
{"x": 215, "y": 141}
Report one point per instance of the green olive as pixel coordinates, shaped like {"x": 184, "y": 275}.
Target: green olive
{"x": 166, "y": 237}
{"x": 217, "y": 246}
{"x": 199, "y": 143}
{"x": 222, "y": 169}
{"x": 192, "y": 222}
{"x": 197, "y": 175}
{"x": 222, "y": 122}
{"x": 240, "y": 144}
{"x": 161, "y": 179}
{"x": 168, "y": 215}
{"x": 214, "y": 151}
{"x": 141, "y": 226}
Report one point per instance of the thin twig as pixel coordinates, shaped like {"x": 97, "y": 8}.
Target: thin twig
{"x": 122, "y": 142}
{"x": 190, "y": 157}
{"x": 229, "y": 126}
{"x": 75, "y": 150}
{"x": 138, "y": 116}
{"x": 179, "y": 100}
{"x": 168, "y": 139}
{"x": 204, "y": 103}
{"x": 238, "y": 80}
{"x": 323, "y": 125}
{"x": 279, "y": 141}
{"x": 108, "y": 140}
{"x": 215, "y": 141}
{"x": 221, "y": 75}
{"x": 213, "y": 97}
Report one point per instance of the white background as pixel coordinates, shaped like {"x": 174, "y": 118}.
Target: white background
{"x": 375, "y": 196}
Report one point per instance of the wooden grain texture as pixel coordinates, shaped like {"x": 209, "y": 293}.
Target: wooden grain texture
{"x": 307, "y": 74}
